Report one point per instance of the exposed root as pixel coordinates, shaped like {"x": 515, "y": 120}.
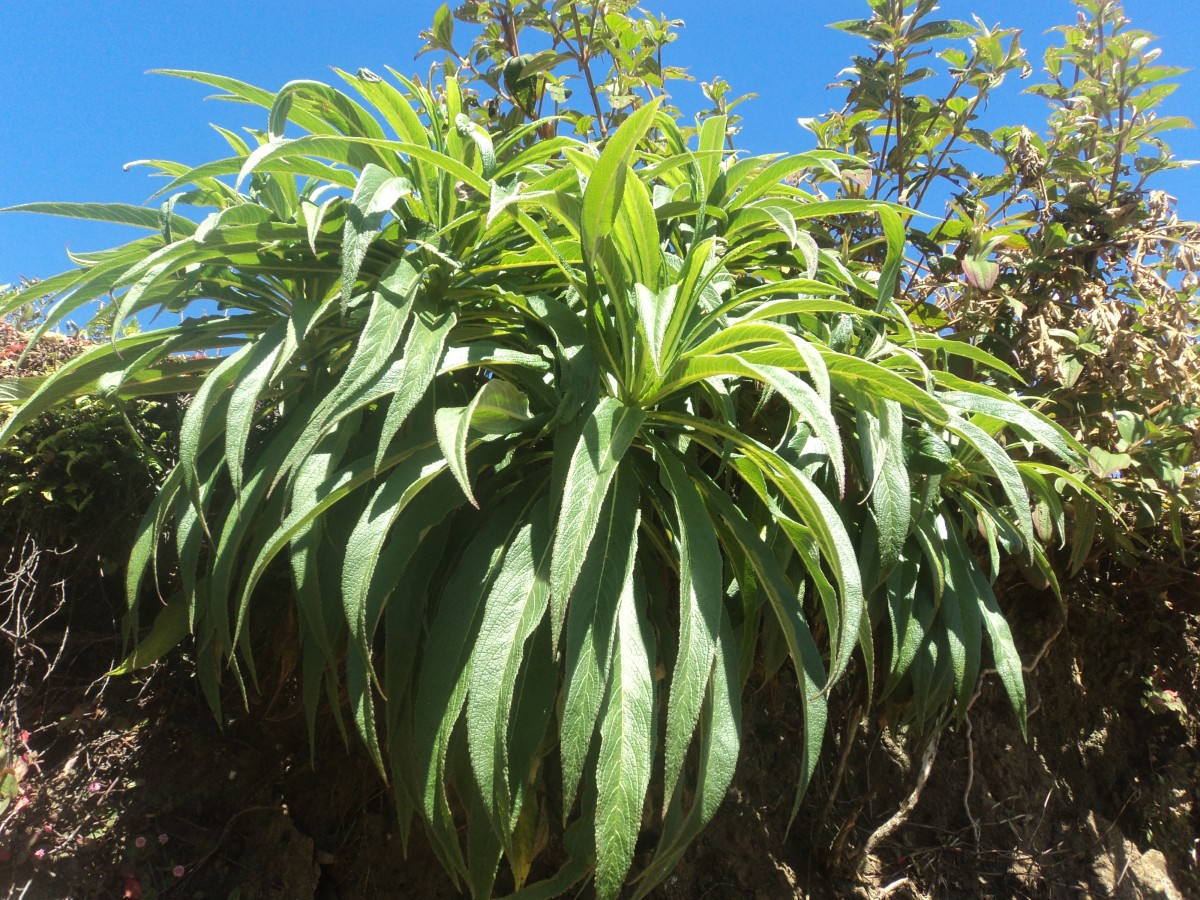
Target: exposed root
{"x": 901, "y": 815}
{"x": 970, "y": 782}
{"x": 852, "y": 726}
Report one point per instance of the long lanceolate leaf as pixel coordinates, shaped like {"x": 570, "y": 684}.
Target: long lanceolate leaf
{"x": 377, "y": 191}
{"x": 626, "y": 740}
{"x": 405, "y": 378}
{"x": 742, "y": 541}
{"x": 514, "y": 609}
{"x": 815, "y": 511}
{"x": 1004, "y": 651}
{"x": 1031, "y": 424}
{"x": 591, "y": 619}
{"x": 607, "y": 434}
{"x": 881, "y": 429}
{"x": 393, "y": 496}
{"x": 246, "y": 395}
{"x": 116, "y": 213}
{"x": 446, "y": 667}
{"x": 82, "y": 373}
{"x": 602, "y": 199}
{"x": 1006, "y": 472}
{"x": 719, "y": 739}
{"x": 700, "y": 611}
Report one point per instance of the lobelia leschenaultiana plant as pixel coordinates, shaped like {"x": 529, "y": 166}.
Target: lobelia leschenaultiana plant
{"x": 551, "y": 437}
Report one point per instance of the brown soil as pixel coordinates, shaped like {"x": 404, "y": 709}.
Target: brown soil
{"x": 129, "y": 787}
{"x": 1101, "y": 801}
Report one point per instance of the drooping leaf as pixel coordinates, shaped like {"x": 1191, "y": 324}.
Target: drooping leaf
{"x": 626, "y": 736}
{"x": 607, "y": 434}
{"x": 591, "y": 620}
{"x": 700, "y": 609}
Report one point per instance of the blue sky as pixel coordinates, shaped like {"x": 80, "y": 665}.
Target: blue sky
{"x": 76, "y": 104}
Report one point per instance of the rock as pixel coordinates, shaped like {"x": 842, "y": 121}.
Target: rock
{"x": 1125, "y": 873}
{"x": 278, "y": 858}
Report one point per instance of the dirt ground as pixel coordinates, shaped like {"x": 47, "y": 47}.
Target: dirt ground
{"x": 129, "y": 788}
{"x": 1101, "y": 801}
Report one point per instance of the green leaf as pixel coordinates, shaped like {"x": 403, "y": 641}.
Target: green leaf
{"x": 497, "y": 408}
{"x": 1004, "y": 651}
{"x": 893, "y": 230}
{"x": 387, "y": 318}
{"x": 868, "y": 378}
{"x": 484, "y": 848}
{"x": 170, "y": 627}
{"x": 443, "y": 27}
{"x": 1030, "y": 423}
{"x": 243, "y": 402}
{"x": 719, "y": 743}
{"x": 772, "y": 176}
{"x": 881, "y": 431}
{"x": 515, "y": 606}
{"x": 413, "y": 373}
{"x": 349, "y": 150}
{"x": 607, "y": 434}
{"x": 959, "y": 613}
{"x": 626, "y": 744}
{"x": 377, "y": 191}
{"x": 741, "y": 539}
{"x": 452, "y": 424}
{"x": 217, "y": 225}
{"x": 446, "y": 664}
{"x": 700, "y": 608}
{"x": 115, "y": 213}
{"x": 635, "y": 232}
{"x": 955, "y": 347}
{"x": 606, "y": 184}
{"x": 946, "y": 28}
{"x": 1006, "y": 473}
{"x": 482, "y": 141}
{"x": 215, "y": 390}
{"x": 81, "y": 373}
{"x": 654, "y": 312}
{"x": 591, "y": 620}
{"x": 364, "y": 547}
{"x": 812, "y": 411}
{"x": 813, "y": 508}
{"x": 906, "y": 630}
{"x": 501, "y": 407}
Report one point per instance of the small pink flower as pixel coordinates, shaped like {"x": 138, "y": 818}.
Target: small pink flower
{"x": 95, "y": 787}
{"x": 24, "y": 736}
{"x": 177, "y": 871}
{"x": 162, "y": 838}
{"x": 140, "y": 843}
{"x": 40, "y": 852}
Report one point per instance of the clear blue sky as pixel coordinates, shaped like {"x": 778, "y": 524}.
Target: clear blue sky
{"x": 76, "y": 104}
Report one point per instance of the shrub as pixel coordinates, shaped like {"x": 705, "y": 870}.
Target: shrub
{"x": 1051, "y": 250}
{"x": 552, "y": 436}
{"x": 80, "y": 471}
